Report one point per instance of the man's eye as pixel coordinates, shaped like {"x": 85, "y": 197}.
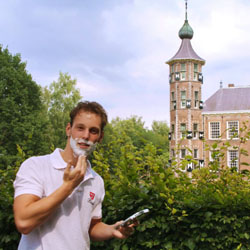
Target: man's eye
{"x": 94, "y": 131}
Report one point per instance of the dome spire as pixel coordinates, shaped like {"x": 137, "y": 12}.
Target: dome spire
{"x": 186, "y": 31}
{"x": 186, "y": 10}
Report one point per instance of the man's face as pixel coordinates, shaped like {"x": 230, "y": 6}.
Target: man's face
{"x": 84, "y": 133}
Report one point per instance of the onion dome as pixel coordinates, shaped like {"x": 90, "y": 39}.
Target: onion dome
{"x": 186, "y": 31}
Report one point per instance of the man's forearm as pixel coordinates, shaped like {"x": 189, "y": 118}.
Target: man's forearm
{"x": 31, "y": 211}
{"x": 101, "y": 231}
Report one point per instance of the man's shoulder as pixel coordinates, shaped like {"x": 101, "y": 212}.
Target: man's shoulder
{"x": 37, "y": 158}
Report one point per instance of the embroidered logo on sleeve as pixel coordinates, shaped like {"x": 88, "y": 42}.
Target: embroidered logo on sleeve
{"x": 91, "y": 198}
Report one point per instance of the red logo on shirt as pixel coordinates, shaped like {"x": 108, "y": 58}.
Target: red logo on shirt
{"x": 91, "y": 195}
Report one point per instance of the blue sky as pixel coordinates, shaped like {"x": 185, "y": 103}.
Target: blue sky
{"x": 117, "y": 49}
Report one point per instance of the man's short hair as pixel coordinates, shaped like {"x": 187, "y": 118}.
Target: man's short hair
{"x": 92, "y": 107}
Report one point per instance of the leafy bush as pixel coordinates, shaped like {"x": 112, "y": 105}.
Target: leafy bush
{"x": 209, "y": 211}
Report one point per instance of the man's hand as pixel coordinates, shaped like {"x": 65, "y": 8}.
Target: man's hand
{"x": 73, "y": 177}
{"x": 121, "y": 232}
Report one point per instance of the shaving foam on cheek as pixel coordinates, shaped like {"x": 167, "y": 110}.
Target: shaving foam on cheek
{"x": 81, "y": 151}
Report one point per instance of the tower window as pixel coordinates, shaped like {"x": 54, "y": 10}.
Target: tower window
{"x": 172, "y": 96}
{"x": 183, "y": 71}
{"x": 214, "y": 130}
{"x": 183, "y": 67}
{"x": 196, "y": 99}
{"x": 195, "y": 67}
{"x": 173, "y": 131}
{"x": 183, "y": 99}
{"x": 173, "y": 102}
{"x": 232, "y": 130}
{"x": 195, "y": 153}
{"x": 183, "y": 153}
{"x": 183, "y": 130}
{"x": 172, "y": 68}
{"x": 195, "y": 130}
{"x": 183, "y": 76}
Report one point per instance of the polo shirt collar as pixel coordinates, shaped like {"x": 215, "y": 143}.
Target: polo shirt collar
{"x": 58, "y": 163}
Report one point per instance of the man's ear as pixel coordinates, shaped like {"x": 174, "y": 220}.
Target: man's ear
{"x": 68, "y": 130}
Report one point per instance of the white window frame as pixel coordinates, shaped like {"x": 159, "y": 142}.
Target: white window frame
{"x": 195, "y": 132}
{"x": 196, "y": 99}
{"x": 234, "y": 135}
{"x": 195, "y": 67}
{"x": 231, "y": 160}
{"x": 183, "y": 72}
{"x": 183, "y": 131}
{"x": 195, "y": 76}
{"x": 210, "y": 131}
{"x": 183, "y": 101}
{"x": 183, "y": 75}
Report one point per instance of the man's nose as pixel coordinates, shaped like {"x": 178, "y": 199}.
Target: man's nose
{"x": 85, "y": 134}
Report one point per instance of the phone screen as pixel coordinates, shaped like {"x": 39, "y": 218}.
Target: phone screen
{"x": 131, "y": 218}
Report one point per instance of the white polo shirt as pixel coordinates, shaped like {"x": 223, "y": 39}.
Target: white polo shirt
{"x": 68, "y": 227}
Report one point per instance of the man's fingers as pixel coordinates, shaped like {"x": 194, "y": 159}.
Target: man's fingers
{"x": 82, "y": 164}
{"x": 67, "y": 169}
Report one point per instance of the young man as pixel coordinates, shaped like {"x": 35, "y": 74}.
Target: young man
{"x": 58, "y": 197}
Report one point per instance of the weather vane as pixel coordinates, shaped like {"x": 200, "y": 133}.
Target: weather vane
{"x": 186, "y": 8}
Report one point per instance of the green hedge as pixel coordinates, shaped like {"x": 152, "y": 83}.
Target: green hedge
{"x": 209, "y": 211}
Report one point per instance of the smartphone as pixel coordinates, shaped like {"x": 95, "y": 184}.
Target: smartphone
{"x": 131, "y": 218}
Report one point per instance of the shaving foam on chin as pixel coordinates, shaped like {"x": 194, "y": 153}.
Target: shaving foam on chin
{"x": 82, "y": 151}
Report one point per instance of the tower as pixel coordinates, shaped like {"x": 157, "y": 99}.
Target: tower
{"x": 186, "y": 79}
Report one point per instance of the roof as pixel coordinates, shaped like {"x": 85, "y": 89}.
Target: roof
{"x": 185, "y": 52}
{"x": 229, "y": 99}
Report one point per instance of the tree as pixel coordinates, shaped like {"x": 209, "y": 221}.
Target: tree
{"x": 59, "y": 98}
{"x": 20, "y": 109}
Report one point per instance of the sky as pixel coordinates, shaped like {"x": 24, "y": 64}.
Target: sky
{"x": 117, "y": 49}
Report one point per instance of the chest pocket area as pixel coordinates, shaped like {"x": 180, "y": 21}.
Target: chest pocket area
{"x": 87, "y": 195}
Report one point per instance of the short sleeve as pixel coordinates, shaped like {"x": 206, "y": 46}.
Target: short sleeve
{"x": 28, "y": 179}
{"x": 97, "y": 211}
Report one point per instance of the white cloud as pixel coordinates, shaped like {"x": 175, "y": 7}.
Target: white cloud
{"x": 117, "y": 50}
